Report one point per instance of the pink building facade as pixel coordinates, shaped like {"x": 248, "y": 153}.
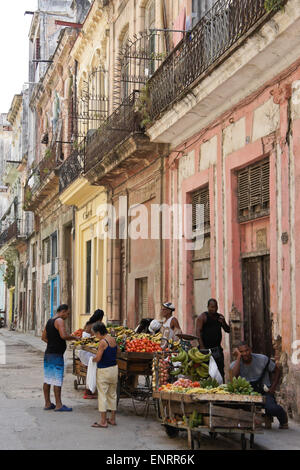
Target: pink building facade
{"x": 235, "y": 147}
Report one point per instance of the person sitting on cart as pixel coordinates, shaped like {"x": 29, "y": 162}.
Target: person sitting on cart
{"x": 256, "y": 368}
{"x": 107, "y": 375}
{"x": 209, "y": 327}
{"x": 84, "y": 356}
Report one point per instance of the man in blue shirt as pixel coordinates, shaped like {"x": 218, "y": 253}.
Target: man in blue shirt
{"x": 256, "y": 368}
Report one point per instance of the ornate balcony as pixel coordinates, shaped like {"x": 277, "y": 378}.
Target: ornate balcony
{"x": 12, "y": 233}
{"x": 119, "y": 145}
{"x": 223, "y": 28}
{"x": 71, "y": 168}
{"x": 42, "y": 181}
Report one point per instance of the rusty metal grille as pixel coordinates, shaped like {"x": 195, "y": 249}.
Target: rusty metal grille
{"x": 217, "y": 31}
{"x": 124, "y": 121}
{"x": 137, "y": 61}
{"x": 90, "y": 110}
{"x": 40, "y": 173}
{"x": 11, "y": 232}
{"x": 72, "y": 168}
{"x": 201, "y": 197}
{"x": 254, "y": 191}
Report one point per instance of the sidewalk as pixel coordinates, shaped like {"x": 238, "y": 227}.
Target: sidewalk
{"x": 271, "y": 439}
{"x": 35, "y": 342}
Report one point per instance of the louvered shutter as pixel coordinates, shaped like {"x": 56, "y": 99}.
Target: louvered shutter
{"x": 254, "y": 191}
{"x": 198, "y": 198}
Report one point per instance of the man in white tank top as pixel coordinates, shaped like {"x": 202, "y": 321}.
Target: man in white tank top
{"x": 170, "y": 327}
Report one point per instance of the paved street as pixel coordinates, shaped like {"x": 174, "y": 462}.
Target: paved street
{"x": 25, "y": 425}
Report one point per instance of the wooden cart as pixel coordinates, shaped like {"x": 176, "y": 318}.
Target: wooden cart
{"x": 234, "y": 414}
{"x": 79, "y": 370}
{"x": 131, "y": 366}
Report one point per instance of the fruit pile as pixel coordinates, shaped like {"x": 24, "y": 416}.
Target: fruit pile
{"x": 240, "y": 386}
{"x": 120, "y": 332}
{"x": 78, "y": 333}
{"x": 193, "y": 364}
{"x": 191, "y": 388}
{"x": 142, "y": 345}
{"x": 87, "y": 342}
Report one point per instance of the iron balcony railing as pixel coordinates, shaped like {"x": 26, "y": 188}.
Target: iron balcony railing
{"x": 39, "y": 174}
{"x": 14, "y": 230}
{"x": 123, "y": 122}
{"x": 219, "y": 29}
{"x": 71, "y": 168}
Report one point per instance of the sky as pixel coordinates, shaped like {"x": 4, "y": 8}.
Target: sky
{"x": 14, "y": 46}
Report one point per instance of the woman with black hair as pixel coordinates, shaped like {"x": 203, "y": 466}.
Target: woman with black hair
{"x": 84, "y": 356}
{"x": 107, "y": 375}
{"x": 97, "y": 317}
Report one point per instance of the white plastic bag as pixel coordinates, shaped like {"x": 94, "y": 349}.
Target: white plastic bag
{"x": 214, "y": 371}
{"x": 91, "y": 380}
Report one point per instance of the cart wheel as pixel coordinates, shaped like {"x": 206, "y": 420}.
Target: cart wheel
{"x": 75, "y": 384}
{"x": 171, "y": 432}
{"x": 252, "y": 441}
{"x": 243, "y": 442}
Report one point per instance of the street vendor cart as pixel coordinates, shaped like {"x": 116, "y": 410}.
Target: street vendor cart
{"x": 219, "y": 414}
{"x": 133, "y": 365}
{"x": 203, "y": 406}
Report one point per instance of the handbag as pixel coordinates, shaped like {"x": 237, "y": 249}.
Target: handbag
{"x": 258, "y": 385}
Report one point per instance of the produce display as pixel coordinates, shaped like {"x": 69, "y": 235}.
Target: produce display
{"x": 240, "y": 386}
{"x": 163, "y": 366}
{"x": 142, "y": 345}
{"x": 193, "y": 364}
{"x": 193, "y": 420}
{"x": 91, "y": 342}
{"x": 78, "y": 333}
{"x": 191, "y": 388}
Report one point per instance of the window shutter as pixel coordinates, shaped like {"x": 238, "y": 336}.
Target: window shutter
{"x": 254, "y": 191}
{"x": 201, "y": 197}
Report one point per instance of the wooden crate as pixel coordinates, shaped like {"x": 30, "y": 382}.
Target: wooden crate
{"x": 79, "y": 368}
{"x": 135, "y": 363}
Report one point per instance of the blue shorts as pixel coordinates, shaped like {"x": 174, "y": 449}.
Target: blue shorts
{"x": 54, "y": 369}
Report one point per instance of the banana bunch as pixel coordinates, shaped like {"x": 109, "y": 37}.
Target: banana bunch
{"x": 193, "y": 364}
{"x": 239, "y": 386}
{"x": 86, "y": 342}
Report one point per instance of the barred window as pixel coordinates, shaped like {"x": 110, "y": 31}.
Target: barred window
{"x": 254, "y": 191}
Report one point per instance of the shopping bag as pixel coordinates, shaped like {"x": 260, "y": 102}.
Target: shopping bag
{"x": 214, "y": 371}
{"x": 91, "y": 380}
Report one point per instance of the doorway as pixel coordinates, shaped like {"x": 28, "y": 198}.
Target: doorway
{"x": 256, "y": 299}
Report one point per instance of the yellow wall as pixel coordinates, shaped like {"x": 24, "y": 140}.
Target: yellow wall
{"x": 10, "y": 305}
{"x": 88, "y": 226}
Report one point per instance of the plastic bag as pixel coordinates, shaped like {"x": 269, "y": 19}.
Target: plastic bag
{"x": 214, "y": 371}
{"x": 91, "y": 380}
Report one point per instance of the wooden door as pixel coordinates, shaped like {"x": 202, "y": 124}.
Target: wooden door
{"x": 256, "y": 298}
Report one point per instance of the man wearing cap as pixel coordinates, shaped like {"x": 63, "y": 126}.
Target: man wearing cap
{"x": 170, "y": 327}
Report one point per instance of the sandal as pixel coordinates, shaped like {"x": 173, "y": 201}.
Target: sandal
{"x": 109, "y": 422}
{"x": 97, "y": 425}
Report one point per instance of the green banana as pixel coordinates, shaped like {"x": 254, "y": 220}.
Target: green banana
{"x": 175, "y": 372}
